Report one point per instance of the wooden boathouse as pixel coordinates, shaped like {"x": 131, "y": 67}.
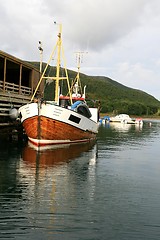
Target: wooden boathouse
{"x": 18, "y": 80}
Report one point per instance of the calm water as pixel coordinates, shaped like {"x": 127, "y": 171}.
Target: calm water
{"x": 110, "y": 190}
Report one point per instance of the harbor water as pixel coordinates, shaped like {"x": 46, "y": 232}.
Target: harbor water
{"x": 109, "y": 189}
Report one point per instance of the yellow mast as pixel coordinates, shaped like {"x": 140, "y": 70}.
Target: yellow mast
{"x": 57, "y": 78}
{"x": 58, "y": 64}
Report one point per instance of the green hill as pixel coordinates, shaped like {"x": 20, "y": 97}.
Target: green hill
{"x": 114, "y": 97}
{"x": 118, "y": 98}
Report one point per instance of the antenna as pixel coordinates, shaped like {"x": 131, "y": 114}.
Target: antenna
{"x": 76, "y": 83}
{"x": 79, "y": 58}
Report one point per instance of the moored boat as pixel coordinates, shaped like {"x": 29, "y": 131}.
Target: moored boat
{"x": 125, "y": 118}
{"x": 67, "y": 119}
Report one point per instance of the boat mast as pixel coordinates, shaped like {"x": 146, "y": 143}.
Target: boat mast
{"x": 57, "y": 78}
{"x": 58, "y": 64}
{"x": 78, "y": 67}
{"x": 76, "y": 84}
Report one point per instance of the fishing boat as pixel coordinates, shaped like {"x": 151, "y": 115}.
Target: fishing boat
{"x": 67, "y": 119}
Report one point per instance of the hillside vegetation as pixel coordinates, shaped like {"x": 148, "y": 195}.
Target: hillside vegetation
{"x": 114, "y": 97}
{"x": 118, "y": 98}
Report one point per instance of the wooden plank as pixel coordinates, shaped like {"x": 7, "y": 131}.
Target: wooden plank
{"x": 5, "y": 109}
{"x": 14, "y": 99}
{"x": 10, "y": 105}
{"x": 13, "y": 95}
{"x": 4, "y": 114}
{"x": 5, "y": 124}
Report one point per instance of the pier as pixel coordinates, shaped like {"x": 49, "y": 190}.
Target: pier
{"x": 18, "y": 80}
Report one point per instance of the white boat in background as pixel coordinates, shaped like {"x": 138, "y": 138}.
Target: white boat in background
{"x": 125, "y": 118}
{"x": 65, "y": 120}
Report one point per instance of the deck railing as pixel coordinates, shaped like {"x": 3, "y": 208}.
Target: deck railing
{"x": 15, "y": 88}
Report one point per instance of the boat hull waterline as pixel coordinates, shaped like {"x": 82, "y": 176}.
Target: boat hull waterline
{"x": 48, "y": 124}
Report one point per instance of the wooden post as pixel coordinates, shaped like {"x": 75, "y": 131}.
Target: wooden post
{"x": 32, "y": 77}
{"x": 4, "y": 74}
{"x": 20, "y": 78}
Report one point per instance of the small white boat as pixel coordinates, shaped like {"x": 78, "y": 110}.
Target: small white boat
{"x": 125, "y": 118}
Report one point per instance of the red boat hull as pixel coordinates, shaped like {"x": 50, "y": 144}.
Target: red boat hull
{"x": 42, "y": 128}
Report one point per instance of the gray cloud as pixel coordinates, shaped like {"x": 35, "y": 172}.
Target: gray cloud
{"x": 97, "y": 22}
{"x": 86, "y": 23}
{"x": 116, "y": 33}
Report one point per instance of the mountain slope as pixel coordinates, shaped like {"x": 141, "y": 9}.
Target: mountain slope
{"x": 119, "y": 98}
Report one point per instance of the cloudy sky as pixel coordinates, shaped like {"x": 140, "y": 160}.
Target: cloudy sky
{"x": 120, "y": 38}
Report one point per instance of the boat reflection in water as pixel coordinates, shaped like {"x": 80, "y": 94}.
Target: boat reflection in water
{"x": 123, "y": 127}
{"x": 53, "y": 155}
{"x": 59, "y": 168}
{"x": 120, "y": 127}
{"x": 53, "y": 183}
